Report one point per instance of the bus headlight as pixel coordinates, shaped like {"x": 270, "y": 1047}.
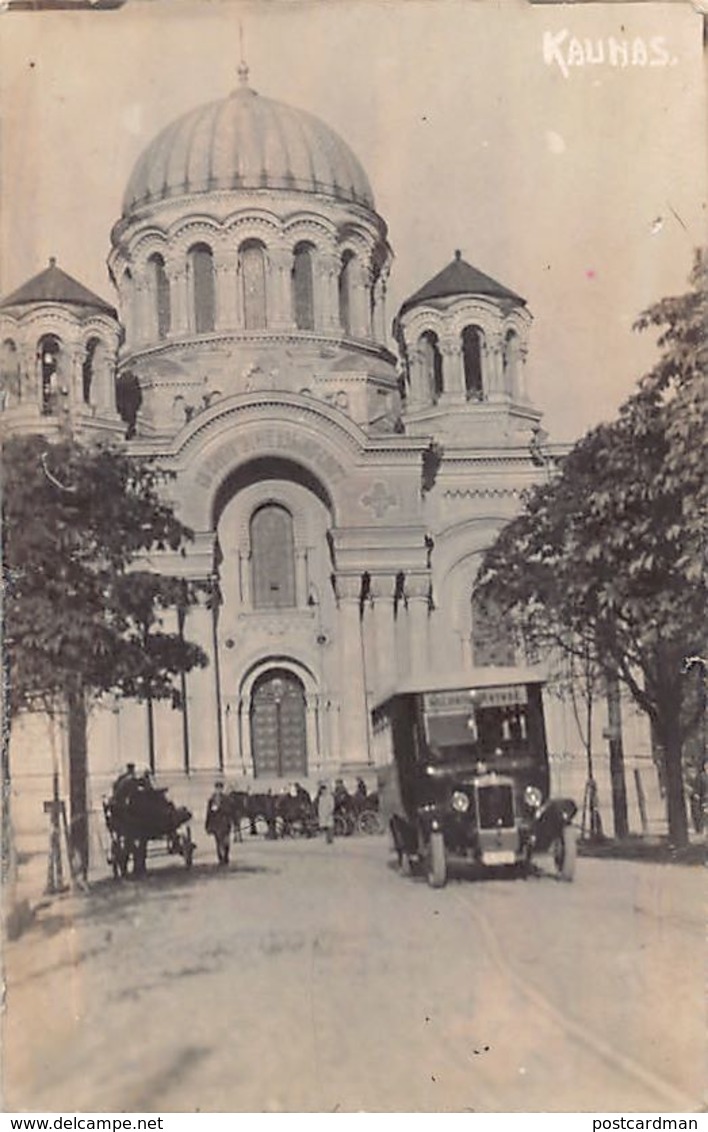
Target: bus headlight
{"x": 460, "y": 802}
{"x": 533, "y": 797}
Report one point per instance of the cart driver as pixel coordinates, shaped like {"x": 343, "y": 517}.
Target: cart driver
{"x": 125, "y": 784}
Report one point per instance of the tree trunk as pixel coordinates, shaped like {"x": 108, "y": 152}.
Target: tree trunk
{"x": 7, "y": 849}
{"x": 619, "y": 785}
{"x": 669, "y": 730}
{"x": 78, "y": 770}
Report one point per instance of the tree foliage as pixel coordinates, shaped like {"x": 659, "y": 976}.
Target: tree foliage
{"x": 80, "y": 612}
{"x": 612, "y": 546}
{"x": 84, "y": 612}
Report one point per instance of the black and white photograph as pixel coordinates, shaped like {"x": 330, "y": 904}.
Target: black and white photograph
{"x": 352, "y": 420}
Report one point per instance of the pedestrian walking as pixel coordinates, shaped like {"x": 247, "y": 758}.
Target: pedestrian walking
{"x": 325, "y": 811}
{"x": 218, "y": 821}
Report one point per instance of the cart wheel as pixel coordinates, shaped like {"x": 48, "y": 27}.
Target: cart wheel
{"x": 564, "y": 851}
{"x": 369, "y": 822}
{"x": 436, "y": 860}
{"x": 341, "y": 826}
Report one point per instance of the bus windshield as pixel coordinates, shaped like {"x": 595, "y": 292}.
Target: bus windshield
{"x": 477, "y": 725}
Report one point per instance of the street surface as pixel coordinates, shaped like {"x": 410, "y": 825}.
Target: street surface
{"x": 309, "y": 977}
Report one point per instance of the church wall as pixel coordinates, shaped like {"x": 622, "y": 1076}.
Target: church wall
{"x": 251, "y": 403}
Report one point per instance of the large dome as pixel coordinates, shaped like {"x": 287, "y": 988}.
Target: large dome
{"x": 246, "y": 142}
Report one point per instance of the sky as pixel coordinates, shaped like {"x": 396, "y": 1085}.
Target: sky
{"x": 482, "y": 126}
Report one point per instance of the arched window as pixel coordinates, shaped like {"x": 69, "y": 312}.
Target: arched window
{"x": 10, "y": 385}
{"x": 49, "y": 357}
{"x": 346, "y": 274}
{"x": 160, "y": 287}
{"x": 429, "y": 347}
{"x": 201, "y": 270}
{"x": 492, "y": 638}
{"x": 88, "y": 369}
{"x": 303, "y": 287}
{"x": 472, "y": 359}
{"x": 273, "y": 557}
{"x": 252, "y": 265}
{"x": 511, "y": 362}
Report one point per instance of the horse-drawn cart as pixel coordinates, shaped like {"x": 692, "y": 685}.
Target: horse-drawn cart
{"x": 142, "y": 814}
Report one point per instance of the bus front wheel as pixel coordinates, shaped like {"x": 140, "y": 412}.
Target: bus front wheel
{"x": 436, "y": 860}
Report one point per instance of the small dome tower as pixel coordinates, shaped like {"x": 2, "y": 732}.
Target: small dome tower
{"x": 464, "y": 339}
{"x": 58, "y": 357}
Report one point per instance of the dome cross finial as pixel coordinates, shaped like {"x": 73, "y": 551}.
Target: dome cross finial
{"x": 243, "y": 65}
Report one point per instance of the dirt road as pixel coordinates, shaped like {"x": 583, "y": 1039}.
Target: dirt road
{"x": 309, "y": 977}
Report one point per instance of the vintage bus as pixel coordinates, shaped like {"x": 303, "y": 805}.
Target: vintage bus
{"x": 464, "y": 774}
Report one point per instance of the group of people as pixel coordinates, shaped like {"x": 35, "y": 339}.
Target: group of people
{"x": 219, "y": 813}
{"x": 132, "y": 792}
{"x": 331, "y": 798}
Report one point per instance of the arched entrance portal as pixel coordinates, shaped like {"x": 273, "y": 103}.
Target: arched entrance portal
{"x": 278, "y": 725}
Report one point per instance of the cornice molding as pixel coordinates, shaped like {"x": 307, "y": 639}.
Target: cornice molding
{"x": 216, "y": 340}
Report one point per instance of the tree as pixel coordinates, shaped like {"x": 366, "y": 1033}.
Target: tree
{"x": 82, "y": 611}
{"x": 612, "y": 546}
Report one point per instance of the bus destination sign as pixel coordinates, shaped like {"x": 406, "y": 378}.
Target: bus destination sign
{"x": 467, "y": 699}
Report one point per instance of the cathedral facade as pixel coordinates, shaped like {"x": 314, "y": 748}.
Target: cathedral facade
{"x": 340, "y": 493}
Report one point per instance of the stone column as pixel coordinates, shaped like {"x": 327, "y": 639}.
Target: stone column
{"x": 150, "y": 307}
{"x": 420, "y": 391}
{"x": 225, "y": 290}
{"x": 279, "y": 283}
{"x": 314, "y": 754}
{"x": 179, "y": 300}
{"x": 521, "y": 392}
{"x": 168, "y": 725}
{"x": 140, "y": 311}
{"x": 352, "y": 684}
{"x": 300, "y": 576}
{"x": 201, "y": 690}
{"x": 244, "y": 573}
{"x": 453, "y": 370}
{"x": 382, "y": 625}
{"x": 360, "y": 312}
{"x": 493, "y": 368}
{"x": 418, "y": 613}
{"x": 380, "y": 329}
{"x": 72, "y": 378}
{"x": 327, "y": 308}
{"x": 27, "y": 375}
{"x": 241, "y": 738}
{"x": 103, "y": 395}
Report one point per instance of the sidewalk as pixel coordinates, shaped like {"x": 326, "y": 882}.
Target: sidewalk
{"x": 28, "y": 889}
{"x": 645, "y": 847}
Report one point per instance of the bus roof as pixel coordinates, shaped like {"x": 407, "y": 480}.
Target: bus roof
{"x": 490, "y": 676}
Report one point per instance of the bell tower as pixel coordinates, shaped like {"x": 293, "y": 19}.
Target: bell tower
{"x": 463, "y": 339}
{"x": 58, "y": 357}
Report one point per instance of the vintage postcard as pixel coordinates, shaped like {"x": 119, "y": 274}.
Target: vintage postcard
{"x": 298, "y": 302}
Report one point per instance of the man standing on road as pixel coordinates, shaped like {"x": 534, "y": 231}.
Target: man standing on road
{"x": 218, "y": 821}
{"x": 325, "y": 811}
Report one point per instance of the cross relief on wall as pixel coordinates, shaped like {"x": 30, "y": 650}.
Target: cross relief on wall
{"x": 379, "y": 500}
